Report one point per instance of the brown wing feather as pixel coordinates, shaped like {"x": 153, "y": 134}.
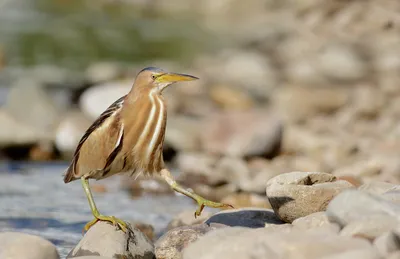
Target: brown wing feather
{"x": 70, "y": 173}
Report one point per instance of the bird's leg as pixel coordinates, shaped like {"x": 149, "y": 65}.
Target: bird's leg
{"x": 202, "y": 202}
{"x": 95, "y": 211}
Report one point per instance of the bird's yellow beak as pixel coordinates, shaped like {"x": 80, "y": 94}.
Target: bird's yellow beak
{"x": 174, "y": 77}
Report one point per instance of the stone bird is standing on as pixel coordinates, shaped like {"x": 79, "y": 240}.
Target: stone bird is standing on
{"x": 128, "y": 137}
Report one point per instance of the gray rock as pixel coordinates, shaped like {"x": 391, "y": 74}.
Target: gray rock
{"x": 186, "y": 218}
{"x": 341, "y": 62}
{"x": 14, "y": 245}
{"x": 104, "y": 239}
{"x": 245, "y": 217}
{"x": 242, "y": 133}
{"x": 264, "y": 243}
{"x": 315, "y": 220}
{"x": 96, "y": 99}
{"x": 368, "y": 253}
{"x": 370, "y": 227}
{"x": 388, "y": 243}
{"x": 70, "y": 131}
{"x": 376, "y": 187}
{"x": 354, "y": 205}
{"x": 171, "y": 244}
{"x": 298, "y": 194}
{"x": 392, "y": 194}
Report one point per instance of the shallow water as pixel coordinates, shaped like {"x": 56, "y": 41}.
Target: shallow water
{"x": 34, "y": 199}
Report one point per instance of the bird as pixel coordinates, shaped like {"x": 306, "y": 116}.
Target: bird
{"x": 128, "y": 138}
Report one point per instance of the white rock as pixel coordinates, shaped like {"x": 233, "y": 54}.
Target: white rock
{"x": 14, "y": 245}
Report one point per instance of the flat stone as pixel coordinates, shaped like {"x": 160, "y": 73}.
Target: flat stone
{"x": 103, "y": 239}
{"x": 370, "y": 227}
{"x": 245, "y": 217}
{"x": 354, "y": 205}
{"x": 298, "y": 194}
{"x": 171, "y": 244}
{"x": 21, "y": 246}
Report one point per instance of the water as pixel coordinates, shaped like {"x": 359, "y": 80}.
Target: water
{"x": 35, "y": 200}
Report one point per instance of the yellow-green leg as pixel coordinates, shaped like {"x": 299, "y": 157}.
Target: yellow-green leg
{"x": 202, "y": 202}
{"x": 97, "y": 216}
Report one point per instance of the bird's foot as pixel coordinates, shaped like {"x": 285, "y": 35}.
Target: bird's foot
{"x": 115, "y": 221}
{"x": 203, "y": 202}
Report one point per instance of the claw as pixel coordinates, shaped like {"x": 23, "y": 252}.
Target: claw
{"x": 203, "y": 202}
{"x": 113, "y": 220}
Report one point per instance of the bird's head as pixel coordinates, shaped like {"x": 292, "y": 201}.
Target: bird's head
{"x": 157, "y": 79}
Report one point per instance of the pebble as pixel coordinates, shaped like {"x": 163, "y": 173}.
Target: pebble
{"x": 105, "y": 240}
{"x": 298, "y": 194}
{"x": 242, "y": 133}
{"x": 245, "y": 217}
{"x": 354, "y": 205}
{"x": 14, "y": 245}
{"x": 171, "y": 244}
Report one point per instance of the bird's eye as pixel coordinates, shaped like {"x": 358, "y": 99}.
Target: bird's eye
{"x": 153, "y": 77}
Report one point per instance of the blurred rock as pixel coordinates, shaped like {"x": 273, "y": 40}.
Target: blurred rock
{"x": 69, "y": 132}
{"x": 339, "y": 61}
{"x": 245, "y": 217}
{"x": 264, "y": 243}
{"x": 97, "y": 99}
{"x": 371, "y": 227}
{"x": 376, "y": 187}
{"x": 388, "y": 243}
{"x": 186, "y": 218}
{"x": 43, "y": 112}
{"x": 369, "y": 102}
{"x": 104, "y": 239}
{"x": 326, "y": 100}
{"x": 367, "y": 253}
{"x": 146, "y": 229}
{"x": 102, "y": 72}
{"x": 242, "y": 134}
{"x": 230, "y": 98}
{"x": 21, "y": 246}
{"x": 315, "y": 220}
{"x": 298, "y": 194}
{"x": 354, "y": 205}
{"x": 214, "y": 193}
{"x": 243, "y": 200}
{"x": 183, "y": 133}
{"x": 395, "y": 255}
{"x": 141, "y": 185}
{"x": 359, "y": 169}
{"x": 171, "y": 244}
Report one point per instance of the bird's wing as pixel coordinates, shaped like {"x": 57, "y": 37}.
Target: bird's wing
{"x": 117, "y": 105}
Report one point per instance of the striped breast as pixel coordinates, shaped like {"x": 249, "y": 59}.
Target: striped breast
{"x": 144, "y": 123}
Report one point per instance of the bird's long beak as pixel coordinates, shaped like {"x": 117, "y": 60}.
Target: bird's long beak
{"x": 174, "y": 77}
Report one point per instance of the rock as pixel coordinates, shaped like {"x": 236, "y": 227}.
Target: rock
{"x": 376, "y": 187}
{"x": 242, "y": 133}
{"x": 215, "y": 193}
{"x": 97, "y": 99}
{"x": 326, "y": 100}
{"x": 257, "y": 179}
{"x": 171, "y": 244}
{"x": 315, "y": 220}
{"x": 370, "y": 101}
{"x": 298, "y": 194}
{"x": 354, "y": 205}
{"x": 371, "y": 227}
{"x": 102, "y": 71}
{"x": 20, "y": 246}
{"x": 392, "y": 195}
{"x": 146, "y": 229}
{"x": 144, "y": 185}
{"x": 229, "y": 98}
{"x": 395, "y": 255}
{"x": 93, "y": 257}
{"x": 211, "y": 170}
{"x": 246, "y": 217}
{"x": 360, "y": 169}
{"x": 367, "y": 253}
{"x": 243, "y": 200}
{"x": 104, "y": 240}
{"x": 268, "y": 243}
{"x": 43, "y": 113}
{"x": 388, "y": 243}
{"x": 182, "y": 133}
{"x": 70, "y": 131}
{"x": 341, "y": 62}
{"x": 186, "y": 218}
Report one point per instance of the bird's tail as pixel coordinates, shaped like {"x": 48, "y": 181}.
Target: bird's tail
{"x": 69, "y": 175}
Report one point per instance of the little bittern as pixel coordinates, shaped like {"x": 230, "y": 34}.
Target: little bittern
{"x": 128, "y": 138}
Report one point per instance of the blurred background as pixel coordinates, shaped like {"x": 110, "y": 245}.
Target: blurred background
{"x": 305, "y": 85}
